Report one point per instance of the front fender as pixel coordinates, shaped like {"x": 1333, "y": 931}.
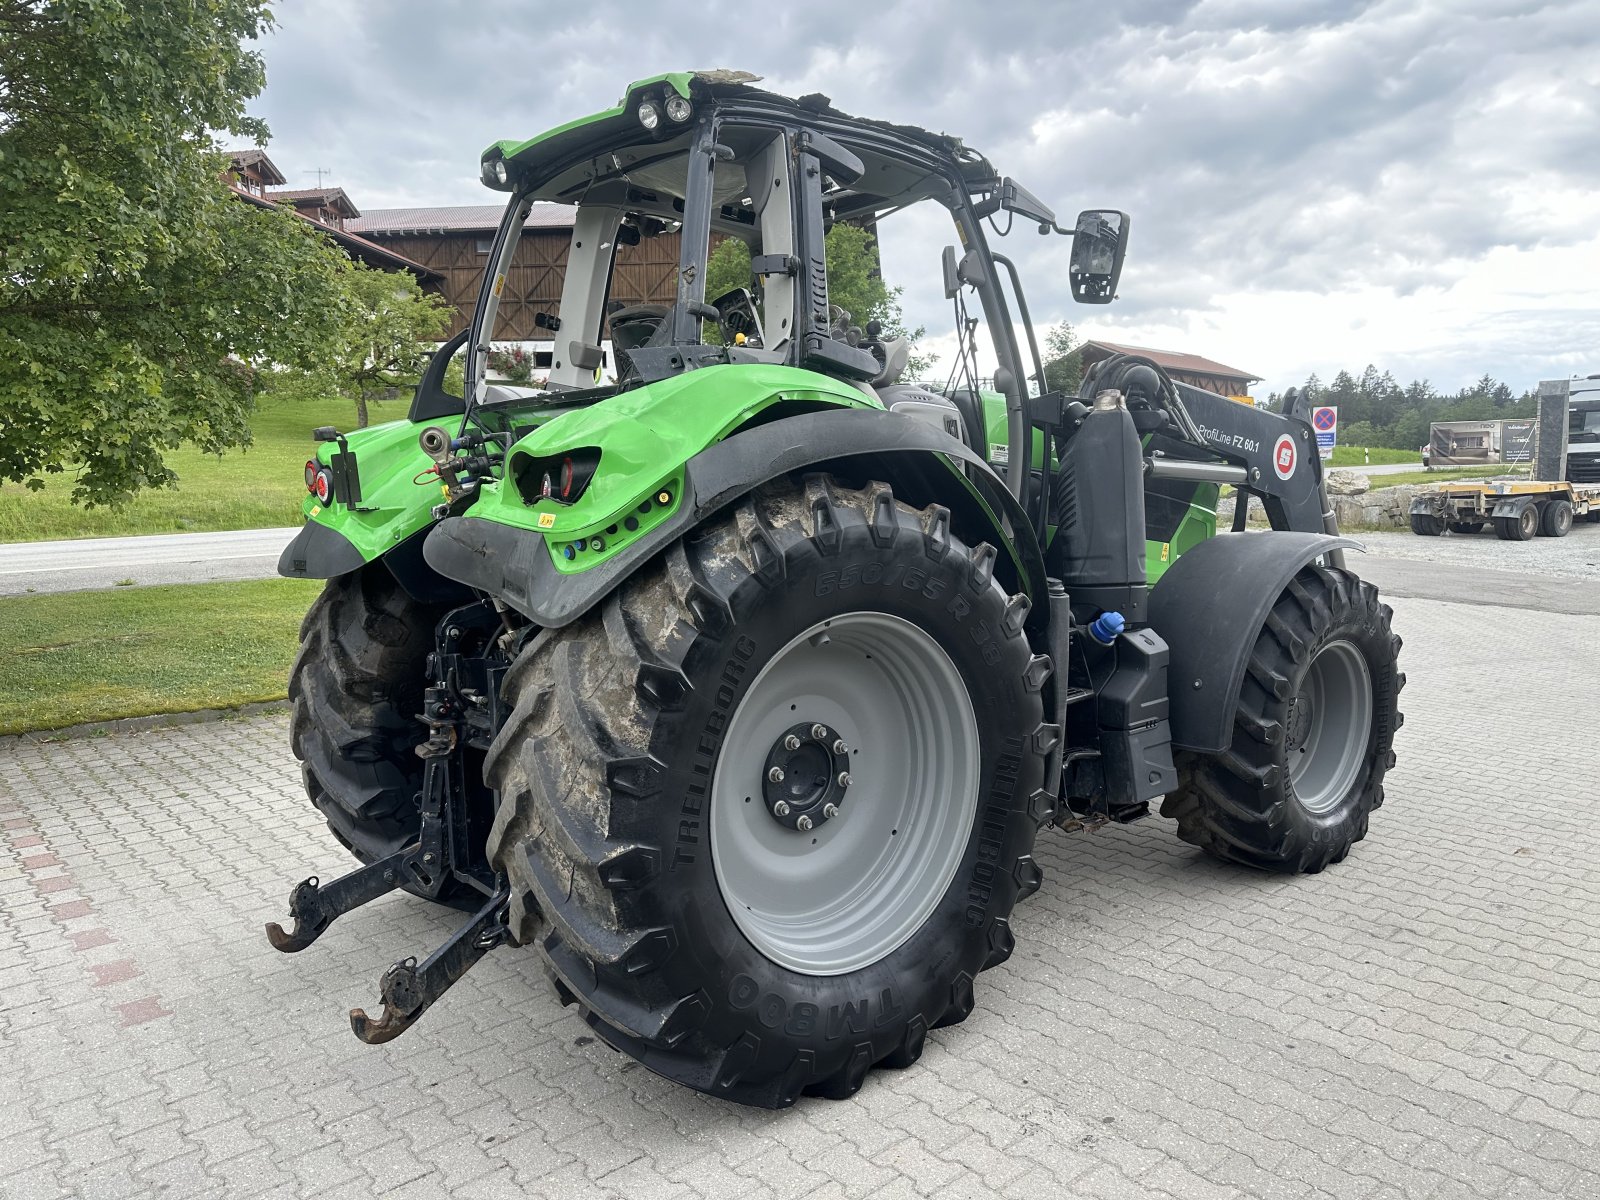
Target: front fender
{"x": 515, "y": 564}
{"x": 1209, "y": 608}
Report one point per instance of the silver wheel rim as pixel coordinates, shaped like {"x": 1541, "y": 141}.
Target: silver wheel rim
{"x": 852, "y": 890}
{"x": 1330, "y": 723}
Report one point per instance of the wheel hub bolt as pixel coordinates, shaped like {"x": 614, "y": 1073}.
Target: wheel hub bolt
{"x": 830, "y": 811}
{"x": 820, "y": 732}
{"x": 782, "y": 809}
{"x": 803, "y": 824}
{"x": 840, "y": 748}
{"x": 791, "y": 742}
{"x": 776, "y": 774}
{"x": 844, "y": 778}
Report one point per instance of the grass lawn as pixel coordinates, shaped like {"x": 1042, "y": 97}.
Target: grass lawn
{"x": 130, "y": 652}
{"x": 258, "y": 488}
{"x": 1356, "y": 456}
{"x": 1444, "y": 475}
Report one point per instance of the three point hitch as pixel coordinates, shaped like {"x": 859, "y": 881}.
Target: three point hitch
{"x": 436, "y": 860}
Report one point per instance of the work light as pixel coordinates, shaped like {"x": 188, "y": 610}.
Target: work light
{"x": 678, "y": 109}
{"x": 649, "y": 114}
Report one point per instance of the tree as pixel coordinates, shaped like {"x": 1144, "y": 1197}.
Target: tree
{"x": 1063, "y": 359}
{"x": 386, "y": 322}
{"x": 137, "y": 292}
{"x": 854, "y": 283}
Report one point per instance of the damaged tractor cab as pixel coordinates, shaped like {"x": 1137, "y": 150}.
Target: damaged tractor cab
{"x": 739, "y": 686}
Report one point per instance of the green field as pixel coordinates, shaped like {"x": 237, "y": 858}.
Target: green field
{"x": 97, "y": 656}
{"x": 257, "y": 488}
{"x": 1444, "y": 475}
{"x": 1355, "y": 456}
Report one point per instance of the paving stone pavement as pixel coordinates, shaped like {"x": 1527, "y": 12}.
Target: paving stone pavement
{"x": 1420, "y": 1021}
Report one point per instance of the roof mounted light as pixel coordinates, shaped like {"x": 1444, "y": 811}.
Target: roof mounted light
{"x": 495, "y": 173}
{"x": 649, "y": 114}
{"x": 679, "y": 109}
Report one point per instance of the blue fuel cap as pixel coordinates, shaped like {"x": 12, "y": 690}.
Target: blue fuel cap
{"x": 1106, "y": 627}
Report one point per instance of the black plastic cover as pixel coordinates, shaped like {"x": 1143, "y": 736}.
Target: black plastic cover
{"x": 318, "y": 552}
{"x": 1209, "y": 608}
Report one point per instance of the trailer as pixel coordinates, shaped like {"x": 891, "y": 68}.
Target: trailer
{"x": 1518, "y": 509}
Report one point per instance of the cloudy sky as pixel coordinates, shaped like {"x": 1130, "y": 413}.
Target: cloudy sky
{"x": 1313, "y": 183}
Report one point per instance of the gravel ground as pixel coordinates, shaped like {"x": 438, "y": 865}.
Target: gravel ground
{"x": 1576, "y": 556}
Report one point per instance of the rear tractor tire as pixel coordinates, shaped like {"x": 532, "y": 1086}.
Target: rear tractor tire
{"x": 1555, "y": 519}
{"x": 356, "y": 687}
{"x": 1426, "y": 525}
{"x": 766, "y": 811}
{"x": 1313, "y": 734}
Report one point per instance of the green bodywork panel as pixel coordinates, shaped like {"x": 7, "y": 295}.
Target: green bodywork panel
{"x": 645, "y": 437}
{"x": 509, "y": 149}
{"x": 1198, "y": 524}
{"x": 392, "y": 506}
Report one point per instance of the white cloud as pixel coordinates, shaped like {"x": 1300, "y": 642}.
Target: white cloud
{"x": 1313, "y": 185}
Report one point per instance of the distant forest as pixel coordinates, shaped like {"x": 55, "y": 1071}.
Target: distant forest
{"x": 1374, "y": 410}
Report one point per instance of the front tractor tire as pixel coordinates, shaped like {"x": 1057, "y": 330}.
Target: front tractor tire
{"x": 767, "y": 810}
{"x": 1313, "y": 734}
{"x": 356, "y": 687}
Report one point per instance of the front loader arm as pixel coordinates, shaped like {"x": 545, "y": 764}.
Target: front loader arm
{"x": 1278, "y": 454}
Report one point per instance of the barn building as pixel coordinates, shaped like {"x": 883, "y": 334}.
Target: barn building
{"x": 454, "y": 243}
{"x": 1186, "y": 368}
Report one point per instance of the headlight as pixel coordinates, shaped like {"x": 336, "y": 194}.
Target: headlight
{"x": 678, "y": 109}
{"x": 559, "y": 477}
{"x": 495, "y": 172}
{"x": 649, "y": 114}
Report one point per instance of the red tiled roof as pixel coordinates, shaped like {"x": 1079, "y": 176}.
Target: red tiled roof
{"x": 1171, "y": 360}
{"x": 462, "y": 219}
{"x": 356, "y": 247}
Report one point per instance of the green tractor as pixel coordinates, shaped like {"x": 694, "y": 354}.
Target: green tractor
{"x": 739, "y": 687}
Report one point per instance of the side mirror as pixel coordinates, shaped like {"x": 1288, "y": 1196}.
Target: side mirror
{"x": 1099, "y": 241}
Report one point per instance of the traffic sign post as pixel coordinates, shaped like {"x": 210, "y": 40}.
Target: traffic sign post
{"x": 1325, "y": 421}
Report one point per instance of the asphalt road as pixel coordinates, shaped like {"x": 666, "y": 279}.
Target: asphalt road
{"x": 82, "y": 564}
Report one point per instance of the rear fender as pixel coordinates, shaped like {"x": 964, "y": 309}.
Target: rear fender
{"x": 1209, "y": 608}
{"x": 1514, "y": 506}
{"x": 922, "y": 463}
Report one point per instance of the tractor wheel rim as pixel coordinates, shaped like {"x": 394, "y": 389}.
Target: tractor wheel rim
{"x": 1328, "y": 742}
{"x": 849, "y": 891}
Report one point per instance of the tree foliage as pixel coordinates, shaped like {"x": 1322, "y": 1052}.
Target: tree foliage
{"x": 1374, "y": 410}
{"x": 854, "y": 283}
{"x": 1063, "y": 359}
{"x": 137, "y": 293}
{"x": 385, "y": 326}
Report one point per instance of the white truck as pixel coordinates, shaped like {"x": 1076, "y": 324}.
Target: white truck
{"x": 1583, "y": 430}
